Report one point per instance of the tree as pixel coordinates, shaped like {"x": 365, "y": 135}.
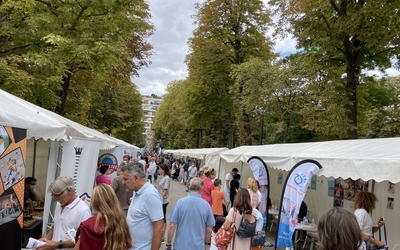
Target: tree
{"x": 171, "y": 120}
{"x": 60, "y": 38}
{"x": 379, "y": 107}
{"x": 50, "y": 48}
{"x": 275, "y": 93}
{"x": 228, "y": 33}
{"x": 352, "y": 34}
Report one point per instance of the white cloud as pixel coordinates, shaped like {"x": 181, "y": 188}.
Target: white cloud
{"x": 174, "y": 26}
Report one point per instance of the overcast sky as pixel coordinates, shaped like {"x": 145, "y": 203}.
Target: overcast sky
{"x": 174, "y": 25}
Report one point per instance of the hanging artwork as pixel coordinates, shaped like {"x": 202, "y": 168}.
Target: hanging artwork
{"x": 12, "y": 177}
{"x": 345, "y": 190}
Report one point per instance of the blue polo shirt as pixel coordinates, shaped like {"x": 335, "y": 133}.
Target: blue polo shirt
{"x": 145, "y": 208}
{"x": 192, "y": 215}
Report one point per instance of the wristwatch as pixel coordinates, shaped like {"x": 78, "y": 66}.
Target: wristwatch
{"x": 60, "y": 245}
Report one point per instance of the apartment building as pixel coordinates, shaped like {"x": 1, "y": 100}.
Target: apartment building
{"x": 150, "y": 105}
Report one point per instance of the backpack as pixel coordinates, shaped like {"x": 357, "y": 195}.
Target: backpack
{"x": 246, "y": 229}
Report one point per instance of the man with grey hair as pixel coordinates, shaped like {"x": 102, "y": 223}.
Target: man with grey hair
{"x": 69, "y": 213}
{"x": 123, "y": 194}
{"x": 192, "y": 218}
{"x": 145, "y": 215}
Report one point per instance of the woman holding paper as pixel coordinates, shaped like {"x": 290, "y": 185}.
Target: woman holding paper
{"x": 108, "y": 228}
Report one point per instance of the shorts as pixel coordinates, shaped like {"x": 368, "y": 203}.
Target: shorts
{"x": 227, "y": 195}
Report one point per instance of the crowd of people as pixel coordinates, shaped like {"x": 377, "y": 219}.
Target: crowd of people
{"x": 130, "y": 211}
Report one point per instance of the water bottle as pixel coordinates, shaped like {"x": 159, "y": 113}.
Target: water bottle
{"x": 305, "y": 219}
{"x": 313, "y": 222}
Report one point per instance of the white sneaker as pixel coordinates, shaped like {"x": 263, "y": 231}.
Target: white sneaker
{"x": 268, "y": 244}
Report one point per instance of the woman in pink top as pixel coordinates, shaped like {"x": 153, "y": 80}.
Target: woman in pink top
{"x": 253, "y": 187}
{"x": 208, "y": 185}
{"x": 103, "y": 178}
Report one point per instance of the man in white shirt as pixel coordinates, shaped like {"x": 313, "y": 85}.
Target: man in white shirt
{"x": 227, "y": 188}
{"x": 69, "y": 213}
{"x": 152, "y": 169}
{"x": 192, "y": 173}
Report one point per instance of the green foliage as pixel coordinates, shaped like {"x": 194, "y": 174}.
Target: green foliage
{"x": 50, "y": 49}
{"x": 228, "y": 33}
{"x": 379, "y": 107}
{"x": 351, "y": 35}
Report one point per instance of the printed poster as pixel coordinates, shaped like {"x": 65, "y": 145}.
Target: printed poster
{"x": 12, "y": 178}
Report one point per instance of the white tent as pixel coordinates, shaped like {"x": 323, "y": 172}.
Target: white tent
{"x": 209, "y": 156}
{"x": 42, "y": 123}
{"x": 377, "y": 160}
{"x": 368, "y": 159}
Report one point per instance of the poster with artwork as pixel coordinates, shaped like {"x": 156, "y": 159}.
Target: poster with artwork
{"x": 391, "y": 187}
{"x": 345, "y": 190}
{"x": 12, "y": 177}
{"x": 390, "y": 203}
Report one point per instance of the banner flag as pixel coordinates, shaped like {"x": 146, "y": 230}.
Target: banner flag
{"x": 293, "y": 193}
{"x": 260, "y": 172}
{"x": 12, "y": 186}
{"x": 79, "y": 161}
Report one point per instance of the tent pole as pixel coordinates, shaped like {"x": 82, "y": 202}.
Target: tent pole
{"x": 34, "y": 157}
{"x": 241, "y": 171}
{"x": 219, "y": 168}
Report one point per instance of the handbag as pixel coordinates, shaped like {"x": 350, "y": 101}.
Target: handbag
{"x": 258, "y": 239}
{"x": 224, "y": 237}
{"x": 246, "y": 228}
{"x": 384, "y": 234}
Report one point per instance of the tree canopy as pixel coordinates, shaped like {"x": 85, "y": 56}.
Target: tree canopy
{"x": 349, "y": 34}
{"x": 49, "y": 48}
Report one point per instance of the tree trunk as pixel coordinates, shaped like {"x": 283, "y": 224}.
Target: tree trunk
{"x": 231, "y": 144}
{"x": 60, "y": 109}
{"x": 353, "y": 71}
{"x": 247, "y": 129}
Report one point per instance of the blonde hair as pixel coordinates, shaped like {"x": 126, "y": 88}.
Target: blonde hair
{"x": 252, "y": 184}
{"x": 116, "y": 230}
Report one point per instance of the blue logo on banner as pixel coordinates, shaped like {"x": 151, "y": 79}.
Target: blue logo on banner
{"x": 261, "y": 172}
{"x": 300, "y": 179}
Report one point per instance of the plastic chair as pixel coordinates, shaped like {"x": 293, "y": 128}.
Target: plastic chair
{"x": 274, "y": 221}
{"x": 312, "y": 238}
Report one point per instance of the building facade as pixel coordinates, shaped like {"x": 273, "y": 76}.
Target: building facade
{"x": 150, "y": 104}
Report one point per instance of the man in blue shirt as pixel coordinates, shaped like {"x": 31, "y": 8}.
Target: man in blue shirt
{"x": 145, "y": 215}
{"x": 193, "y": 220}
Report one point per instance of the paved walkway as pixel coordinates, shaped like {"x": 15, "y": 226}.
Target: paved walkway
{"x": 179, "y": 191}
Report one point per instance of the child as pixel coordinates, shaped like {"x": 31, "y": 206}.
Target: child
{"x": 218, "y": 199}
{"x": 219, "y": 221}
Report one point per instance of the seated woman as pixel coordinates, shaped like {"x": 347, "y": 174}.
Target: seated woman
{"x": 108, "y": 228}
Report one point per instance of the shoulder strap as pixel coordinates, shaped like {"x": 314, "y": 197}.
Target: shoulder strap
{"x": 384, "y": 234}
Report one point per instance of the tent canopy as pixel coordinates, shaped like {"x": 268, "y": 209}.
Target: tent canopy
{"x": 198, "y": 153}
{"x": 377, "y": 159}
{"x": 42, "y": 123}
